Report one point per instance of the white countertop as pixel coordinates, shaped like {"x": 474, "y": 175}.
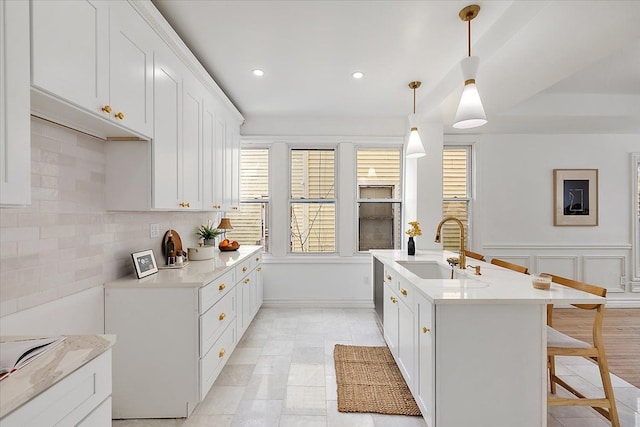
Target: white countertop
{"x": 49, "y": 368}
{"x": 495, "y": 285}
{"x": 195, "y": 274}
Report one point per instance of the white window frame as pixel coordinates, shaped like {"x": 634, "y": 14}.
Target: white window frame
{"x": 266, "y": 201}
{"x": 334, "y": 200}
{"x": 359, "y": 200}
{"x": 635, "y": 247}
{"x": 470, "y": 187}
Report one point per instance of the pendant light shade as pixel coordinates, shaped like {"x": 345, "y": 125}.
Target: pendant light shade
{"x": 470, "y": 112}
{"x": 415, "y": 149}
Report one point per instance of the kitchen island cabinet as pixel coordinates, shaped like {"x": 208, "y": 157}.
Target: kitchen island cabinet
{"x": 176, "y": 330}
{"x": 473, "y": 342}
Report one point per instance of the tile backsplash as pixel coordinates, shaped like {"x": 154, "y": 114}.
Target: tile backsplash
{"x": 65, "y": 241}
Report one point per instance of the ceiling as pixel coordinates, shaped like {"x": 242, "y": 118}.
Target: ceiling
{"x": 545, "y": 66}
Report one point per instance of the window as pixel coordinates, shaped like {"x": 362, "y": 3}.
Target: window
{"x": 456, "y": 193}
{"x": 312, "y": 203}
{"x": 379, "y": 199}
{"x": 251, "y": 221}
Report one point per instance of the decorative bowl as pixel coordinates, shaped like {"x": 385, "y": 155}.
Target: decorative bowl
{"x": 541, "y": 282}
{"x": 228, "y": 248}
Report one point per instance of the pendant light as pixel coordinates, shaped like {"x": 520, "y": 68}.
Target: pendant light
{"x": 415, "y": 148}
{"x": 470, "y": 113}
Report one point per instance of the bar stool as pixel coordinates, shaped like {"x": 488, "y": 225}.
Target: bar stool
{"x": 510, "y": 266}
{"x": 474, "y": 255}
{"x": 559, "y": 344}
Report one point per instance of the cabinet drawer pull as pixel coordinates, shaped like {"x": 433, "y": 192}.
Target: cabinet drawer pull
{"x": 222, "y": 352}
{"x": 222, "y": 316}
{"x": 425, "y": 329}
{"x": 257, "y": 258}
{"x": 259, "y": 269}
{"x": 119, "y": 115}
{"x": 221, "y": 287}
{"x": 403, "y": 291}
{"x": 388, "y": 277}
{"x": 216, "y": 206}
{"x": 106, "y": 108}
{"x": 185, "y": 204}
{"x": 246, "y": 281}
{"x": 235, "y": 208}
{"x": 393, "y": 300}
{"x": 244, "y": 269}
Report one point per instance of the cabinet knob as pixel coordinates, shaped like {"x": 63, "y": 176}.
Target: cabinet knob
{"x": 222, "y": 352}
{"x": 244, "y": 269}
{"x": 119, "y": 115}
{"x": 257, "y": 258}
{"x": 393, "y": 300}
{"x": 246, "y": 281}
{"x": 185, "y": 204}
{"x": 388, "y": 277}
{"x": 221, "y": 287}
{"x": 259, "y": 269}
{"x": 216, "y": 206}
{"x": 403, "y": 291}
{"x": 425, "y": 329}
{"x": 106, "y": 108}
{"x": 222, "y": 316}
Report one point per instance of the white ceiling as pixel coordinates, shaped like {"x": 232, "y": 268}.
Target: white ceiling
{"x": 546, "y": 66}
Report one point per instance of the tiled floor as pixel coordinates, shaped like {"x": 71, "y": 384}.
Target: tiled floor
{"x": 282, "y": 374}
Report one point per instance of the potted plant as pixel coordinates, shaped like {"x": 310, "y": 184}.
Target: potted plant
{"x": 208, "y": 233}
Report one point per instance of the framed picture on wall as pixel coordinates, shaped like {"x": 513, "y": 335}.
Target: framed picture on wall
{"x": 144, "y": 263}
{"x": 575, "y": 194}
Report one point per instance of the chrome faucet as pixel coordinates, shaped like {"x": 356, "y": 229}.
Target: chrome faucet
{"x": 463, "y": 257}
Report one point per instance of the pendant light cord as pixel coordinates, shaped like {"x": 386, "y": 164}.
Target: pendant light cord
{"x": 414, "y": 101}
{"x": 469, "y": 37}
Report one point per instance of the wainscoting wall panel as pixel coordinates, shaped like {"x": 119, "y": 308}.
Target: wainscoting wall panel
{"x": 565, "y": 266}
{"x": 605, "y": 270}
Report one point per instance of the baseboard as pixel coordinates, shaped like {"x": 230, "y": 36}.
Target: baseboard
{"x": 305, "y": 303}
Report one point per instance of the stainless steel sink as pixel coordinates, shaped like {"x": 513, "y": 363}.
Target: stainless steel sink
{"x": 434, "y": 270}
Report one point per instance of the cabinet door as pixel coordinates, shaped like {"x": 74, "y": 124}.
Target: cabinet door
{"x": 259, "y": 288}
{"x": 131, "y": 66}
{"x": 406, "y": 343}
{"x": 167, "y": 141}
{"x": 391, "y": 319}
{"x": 212, "y": 190}
{"x": 192, "y": 93}
{"x": 425, "y": 381}
{"x": 70, "y": 50}
{"x": 248, "y": 301}
{"x": 15, "y": 136}
{"x": 221, "y": 166}
{"x": 234, "y": 136}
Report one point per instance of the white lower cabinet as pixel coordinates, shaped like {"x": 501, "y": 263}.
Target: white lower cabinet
{"x": 174, "y": 336}
{"x": 425, "y": 380}
{"x": 80, "y": 399}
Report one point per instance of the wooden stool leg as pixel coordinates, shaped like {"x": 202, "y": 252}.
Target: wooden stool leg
{"x": 552, "y": 373}
{"x": 603, "y": 365}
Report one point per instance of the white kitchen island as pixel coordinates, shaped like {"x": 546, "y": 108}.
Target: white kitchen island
{"x": 472, "y": 349}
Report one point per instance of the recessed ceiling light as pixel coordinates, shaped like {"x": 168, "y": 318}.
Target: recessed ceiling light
{"x": 358, "y": 75}
{"x": 258, "y": 72}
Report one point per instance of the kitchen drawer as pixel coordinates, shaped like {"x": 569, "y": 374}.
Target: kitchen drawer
{"x": 215, "y": 320}
{"x": 69, "y": 401}
{"x": 256, "y": 259}
{"x": 243, "y": 268}
{"x": 213, "y": 362}
{"x": 406, "y": 292}
{"x": 391, "y": 278}
{"x": 215, "y": 290}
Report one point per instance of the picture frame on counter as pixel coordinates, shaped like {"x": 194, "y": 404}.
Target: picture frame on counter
{"x": 144, "y": 263}
{"x": 575, "y": 194}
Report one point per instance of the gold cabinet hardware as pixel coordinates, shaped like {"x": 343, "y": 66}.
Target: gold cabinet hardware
{"x": 259, "y": 269}
{"x": 222, "y": 352}
{"x": 403, "y": 291}
{"x": 222, "y": 316}
{"x": 119, "y": 115}
{"x": 393, "y": 300}
{"x": 244, "y": 269}
{"x": 221, "y": 287}
{"x": 388, "y": 277}
{"x": 245, "y": 281}
{"x": 425, "y": 329}
{"x": 257, "y": 258}
{"x": 216, "y": 206}
{"x": 235, "y": 208}
{"x": 185, "y": 204}
{"x": 106, "y": 108}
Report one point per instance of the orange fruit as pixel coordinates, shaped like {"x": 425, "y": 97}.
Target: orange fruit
{"x": 235, "y": 243}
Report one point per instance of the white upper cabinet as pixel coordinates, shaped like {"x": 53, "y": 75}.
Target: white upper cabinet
{"x": 131, "y": 66}
{"x": 15, "y": 130}
{"x": 213, "y": 130}
{"x": 95, "y": 55}
{"x": 232, "y": 166}
{"x": 167, "y": 140}
{"x": 192, "y": 101}
{"x": 70, "y": 50}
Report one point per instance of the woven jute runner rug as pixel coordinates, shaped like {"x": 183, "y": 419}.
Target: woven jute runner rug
{"x": 369, "y": 381}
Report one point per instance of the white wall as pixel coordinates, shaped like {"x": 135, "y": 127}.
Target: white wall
{"x": 514, "y": 208}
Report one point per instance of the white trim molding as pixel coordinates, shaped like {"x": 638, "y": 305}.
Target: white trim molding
{"x": 635, "y": 222}
{"x": 325, "y": 303}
